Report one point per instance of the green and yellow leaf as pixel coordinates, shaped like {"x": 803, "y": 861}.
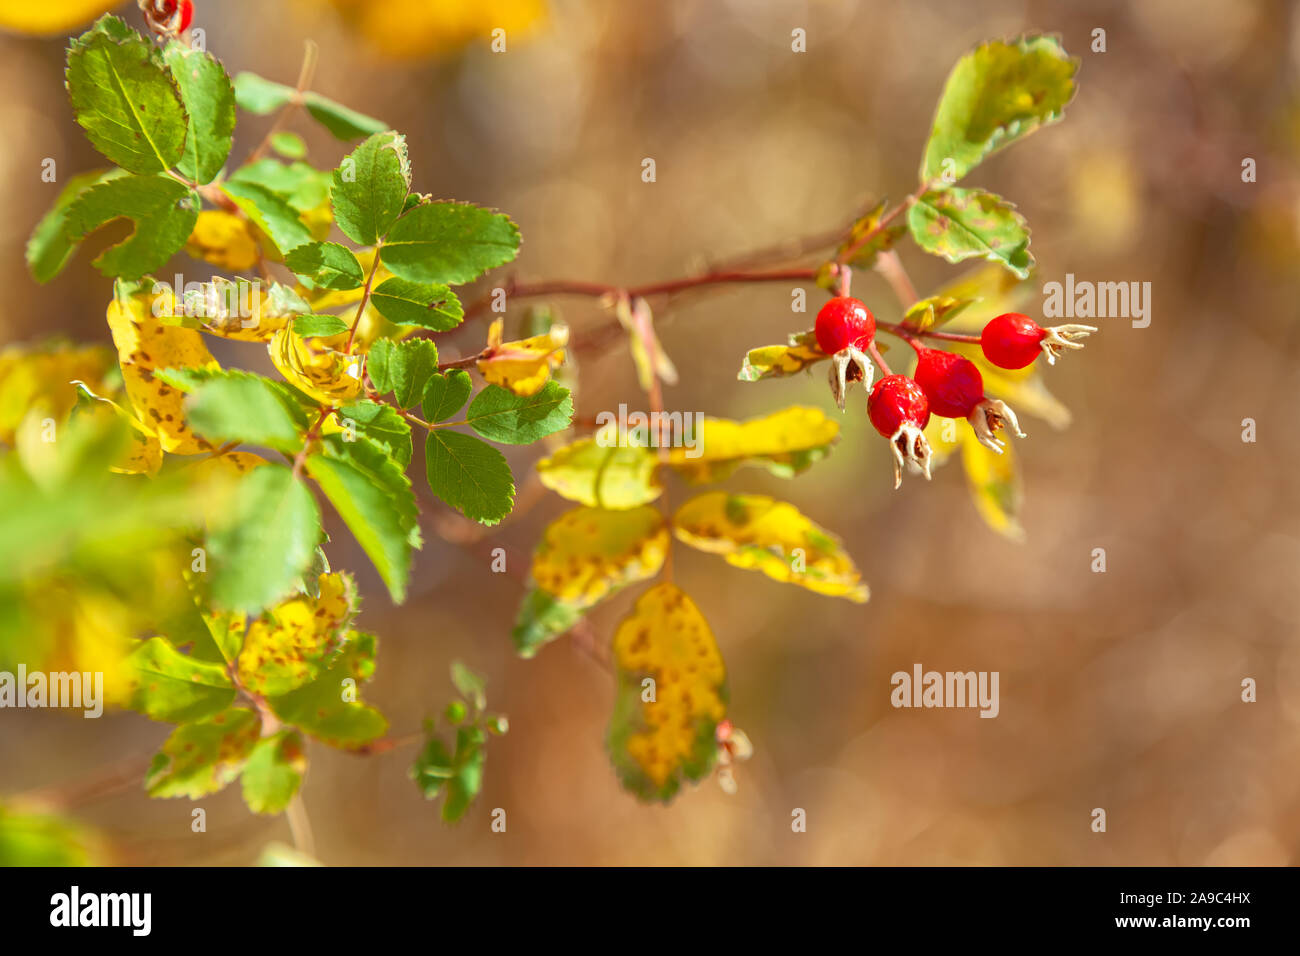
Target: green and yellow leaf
{"x": 754, "y": 531}
{"x": 995, "y": 95}
{"x": 523, "y": 367}
{"x": 663, "y": 733}
{"x": 602, "y": 474}
{"x": 782, "y": 361}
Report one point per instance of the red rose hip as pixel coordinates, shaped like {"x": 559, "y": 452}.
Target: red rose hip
{"x": 896, "y": 400}
{"x": 1013, "y": 340}
{"x": 952, "y": 383}
{"x": 844, "y": 322}
{"x": 954, "y": 388}
{"x": 845, "y": 328}
{"x": 899, "y": 410}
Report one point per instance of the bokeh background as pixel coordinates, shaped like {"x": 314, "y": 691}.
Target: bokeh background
{"x": 1118, "y": 690}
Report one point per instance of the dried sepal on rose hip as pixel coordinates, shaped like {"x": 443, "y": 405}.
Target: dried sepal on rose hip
{"x": 168, "y": 18}
{"x": 900, "y": 411}
{"x": 733, "y": 747}
{"x": 954, "y": 388}
{"x": 1013, "y": 340}
{"x": 845, "y": 327}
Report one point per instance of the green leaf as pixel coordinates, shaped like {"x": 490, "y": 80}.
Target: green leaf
{"x": 459, "y": 776}
{"x": 343, "y": 122}
{"x": 445, "y": 395}
{"x": 373, "y": 458}
{"x": 414, "y": 303}
{"x": 370, "y": 188}
{"x": 261, "y": 96}
{"x": 403, "y": 368}
{"x": 124, "y": 99}
{"x": 383, "y": 425}
{"x": 232, "y": 405}
{"x": 154, "y": 206}
{"x": 303, "y": 187}
{"x": 449, "y": 242}
{"x": 541, "y": 619}
{"x": 318, "y": 326}
{"x": 471, "y": 476}
{"x": 38, "y": 839}
{"x": 996, "y": 94}
{"x": 289, "y": 145}
{"x": 209, "y": 102}
{"x": 472, "y": 685}
{"x": 201, "y": 757}
{"x": 267, "y": 541}
{"x": 270, "y": 213}
{"x": 380, "y": 524}
{"x": 328, "y": 707}
{"x": 50, "y": 248}
{"x": 170, "y": 686}
{"x": 961, "y": 224}
{"x": 327, "y": 264}
{"x": 283, "y": 300}
{"x": 274, "y": 772}
{"x": 499, "y": 415}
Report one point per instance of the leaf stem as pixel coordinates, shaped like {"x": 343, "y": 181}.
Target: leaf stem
{"x": 365, "y": 299}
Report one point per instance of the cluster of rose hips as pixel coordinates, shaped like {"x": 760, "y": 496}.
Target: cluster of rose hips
{"x": 944, "y": 383}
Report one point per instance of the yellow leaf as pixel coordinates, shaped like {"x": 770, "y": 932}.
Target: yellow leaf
{"x": 40, "y": 380}
{"x": 602, "y": 474}
{"x": 785, "y": 443}
{"x": 994, "y": 482}
{"x": 525, "y": 366}
{"x": 144, "y": 346}
{"x": 754, "y": 531}
{"x": 657, "y": 743}
{"x": 143, "y": 456}
{"x": 216, "y": 480}
{"x": 935, "y": 310}
{"x": 223, "y": 239}
{"x": 779, "y": 361}
{"x": 298, "y": 638}
{"x": 944, "y": 436}
{"x": 588, "y": 553}
{"x": 43, "y": 19}
{"x": 324, "y": 374}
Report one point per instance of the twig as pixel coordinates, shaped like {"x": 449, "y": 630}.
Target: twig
{"x": 305, "y": 76}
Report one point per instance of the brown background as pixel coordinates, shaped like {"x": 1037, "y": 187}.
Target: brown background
{"x": 1119, "y": 690}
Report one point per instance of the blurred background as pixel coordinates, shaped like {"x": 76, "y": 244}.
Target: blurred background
{"x": 1119, "y": 690}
